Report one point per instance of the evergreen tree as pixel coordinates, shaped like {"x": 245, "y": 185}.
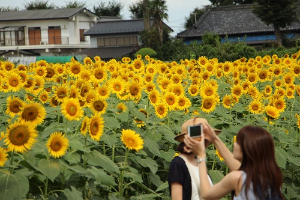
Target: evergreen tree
{"x": 136, "y": 10}
{"x": 111, "y": 9}
{"x": 279, "y": 13}
{"x": 8, "y": 8}
{"x": 39, "y": 5}
{"x": 193, "y": 17}
{"x": 74, "y": 4}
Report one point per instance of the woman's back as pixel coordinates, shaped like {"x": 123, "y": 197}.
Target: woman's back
{"x": 243, "y": 195}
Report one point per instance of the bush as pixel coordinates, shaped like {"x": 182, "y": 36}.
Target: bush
{"x": 146, "y": 51}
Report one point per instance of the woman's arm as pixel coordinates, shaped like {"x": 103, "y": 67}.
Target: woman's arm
{"x": 230, "y": 161}
{"x": 176, "y": 191}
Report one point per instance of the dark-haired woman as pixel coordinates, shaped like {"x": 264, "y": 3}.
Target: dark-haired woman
{"x": 255, "y": 174}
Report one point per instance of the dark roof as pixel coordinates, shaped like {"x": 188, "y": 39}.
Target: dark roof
{"x": 118, "y": 26}
{"x": 228, "y": 20}
{"x": 42, "y": 14}
{"x": 107, "y": 52}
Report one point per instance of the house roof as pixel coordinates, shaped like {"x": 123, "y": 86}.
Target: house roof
{"x": 118, "y": 26}
{"x": 107, "y": 52}
{"x": 237, "y": 19}
{"x": 42, "y": 14}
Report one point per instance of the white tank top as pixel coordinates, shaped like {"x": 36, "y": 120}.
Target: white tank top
{"x": 195, "y": 195}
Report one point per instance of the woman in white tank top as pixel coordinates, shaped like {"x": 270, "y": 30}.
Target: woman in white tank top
{"x": 254, "y": 171}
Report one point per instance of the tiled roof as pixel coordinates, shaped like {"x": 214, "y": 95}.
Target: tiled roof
{"x": 107, "y": 52}
{"x": 41, "y": 14}
{"x": 118, "y": 26}
{"x": 230, "y": 20}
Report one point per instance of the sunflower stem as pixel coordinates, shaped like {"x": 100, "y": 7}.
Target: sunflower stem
{"x": 113, "y": 153}
{"x": 46, "y": 188}
{"x": 11, "y": 162}
{"x": 121, "y": 183}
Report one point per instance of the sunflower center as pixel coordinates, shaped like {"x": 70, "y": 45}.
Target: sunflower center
{"x": 30, "y": 113}
{"x": 75, "y": 70}
{"x": 56, "y": 145}
{"x": 98, "y": 105}
{"x": 134, "y": 90}
{"x": 71, "y": 109}
{"x": 15, "y": 107}
{"x": 161, "y": 110}
{"x": 14, "y": 82}
{"x": 130, "y": 142}
{"x": 94, "y": 128}
{"x": 40, "y": 72}
{"x": 19, "y": 135}
{"x": 50, "y": 72}
{"x": 99, "y": 75}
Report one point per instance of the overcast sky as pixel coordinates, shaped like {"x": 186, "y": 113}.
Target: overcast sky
{"x": 177, "y": 9}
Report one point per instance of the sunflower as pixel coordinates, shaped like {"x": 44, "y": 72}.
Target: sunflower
{"x": 277, "y": 70}
{"x": 272, "y": 112}
{"x": 103, "y": 91}
{"x": 176, "y": 78}
{"x": 22, "y": 67}
{"x": 14, "y": 105}
{"x": 227, "y": 101}
{"x": 121, "y": 107}
{"x": 134, "y": 91}
{"x": 253, "y": 92}
{"x": 53, "y": 101}
{"x": 154, "y": 96}
{"x": 40, "y": 71}
{"x": 39, "y": 83}
{"x": 85, "y": 125}
{"x": 71, "y": 109}
{"x": 98, "y": 105}
{"x": 90, "y": 96}
{"x": 14, "y": 81}
{"x": 298, "y": 90}
{"x": 85, "y": 75}
{"x": 161, "y": 110}
{"x": 237, "y": 90}
{"x": 75, "y": 69}
{"x": 33, "y": 112}
{"x": 100, "y": 74}
{"x": 252, "y": 78}
{"x": 138, "y": 65}
{"x": 60, "y": 69}
{"x": 290, "y": 93}
{"x": 151, "y": 69}
{"x": 289, "y": 78}
{"x": 20, "y": 136}
{"x": 164, "y": 83}
{"x": 171, "y": 100}
{"x": 296, "y": 69}
{"x": 205, "y": 75}
{"x": 149, "y": 87}
{"x": 227, "y": 67}
{"x": 278, "y": 83}
{"x": 279, "y": 104}
{"x": 3, "y": 156}
{"x": 85, "y": 88}
{"x": 183, "y": 102}
{"x": 57, "y": 144}
{"x": 41, "y": 63}
{"x": 255, "y": 107}
{"x": 8, "y": 66}
{"x": 219, "y": 155}
{"x": 193, "y": 90}
{"x": 132, "y": 140}
{"x": 263, "y": 75}
{"x": 207, "y": 90}
{"x": 96, "y": 127}
{"x": 117, "y": 85}
{"x": 208, "y": 104}
{"x": 87, "y": 61}
{"x": 298, "y": 123}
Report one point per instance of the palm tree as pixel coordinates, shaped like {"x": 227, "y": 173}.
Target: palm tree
{"x": 158, "y": 10}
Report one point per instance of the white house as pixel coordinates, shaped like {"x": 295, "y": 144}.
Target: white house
{"x": 50, "y": 32}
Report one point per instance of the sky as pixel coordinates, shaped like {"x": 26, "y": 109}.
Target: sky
{"x": 178, "y": 10}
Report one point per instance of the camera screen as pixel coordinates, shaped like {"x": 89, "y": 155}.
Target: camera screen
{"x": 195, "y": 131}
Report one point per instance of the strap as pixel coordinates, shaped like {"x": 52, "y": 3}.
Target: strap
{"x": 192, "y": 174}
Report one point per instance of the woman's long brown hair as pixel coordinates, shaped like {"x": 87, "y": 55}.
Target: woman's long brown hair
{"x": 258, "y": 161}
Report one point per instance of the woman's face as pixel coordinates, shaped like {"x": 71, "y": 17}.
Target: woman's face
{"x": 237, "y": 151}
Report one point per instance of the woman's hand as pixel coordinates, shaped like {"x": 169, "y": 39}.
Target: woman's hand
{"x": 197, "y": 147}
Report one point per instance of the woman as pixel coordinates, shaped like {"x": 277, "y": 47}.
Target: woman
{"x": 183, "y": 177}
{"x": 258, "y": 176}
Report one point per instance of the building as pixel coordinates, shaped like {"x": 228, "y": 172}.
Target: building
{"x": 115, "y": 38}
{"x": 238, "y": 23}
{"x": 51, "y": 32}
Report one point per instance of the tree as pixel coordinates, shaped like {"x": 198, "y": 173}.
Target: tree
{"x": 8, "y": 8}
{"x": 279, "y": 13}
{"x": 146, "y": 15}
{"x": 74, "y": 4}
{"x": 38, "y": 5}
{"x": 193, "y": 17}
{"x": 111, "y": 9}
{"x": 158, "y": 10}
{"x": 230, "y": 2}
{"x": 136, "y": 10}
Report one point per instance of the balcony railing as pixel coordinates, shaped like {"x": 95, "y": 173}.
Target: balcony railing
{"x": 34, "y": 41}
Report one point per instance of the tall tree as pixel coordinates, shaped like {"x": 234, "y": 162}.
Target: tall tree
{"x": 74, "y": 4}
{"x": 39, "y": 5}
{"x": 111, "y": 9}
{"x": 158, "y": 10}
{"x": 136, "y": 10}
{"x": 146, "y": 15}
{"x": 279, "y": 13}
{"x": 8, "y": 8}
{"x": 193, "y": 17}
{"x": 230, "y": 2}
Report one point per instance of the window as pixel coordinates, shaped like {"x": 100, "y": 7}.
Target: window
{"x": 82, "y": 38}
{"x": 54, "y": 35}
{"x": 117, "y": 41}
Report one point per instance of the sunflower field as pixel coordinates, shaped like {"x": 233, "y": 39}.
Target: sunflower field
{"x": 105, "y": 130}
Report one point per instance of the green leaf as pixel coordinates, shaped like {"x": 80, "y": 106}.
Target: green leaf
{"x": 216, "y": 175}
{"x": 133, "y": 174}
{"x": 110, "y": 140}
{"x": 163, "y": 186}
{"x": 73, "y": 194}
{"x": 72, "y": 158}
{"x": 294, "y": 160}
{"x": 148, "y": 162}
{"x": 166, "y": 132}
{"x": 295, "y": 149}
{"x": 123, "y": 116}
{"x": 76, "y": 144}
{"x": 49, "y": 168}
{"x": 138, "y": 115}
{"x": 152, "y": 146}
{"x": 98, "y": 159}
{"x": 53, "y": 127}
{"x": 155, "y": 179}
{"x": 111, "y": 122}
{"x": 13, "y": 187}
{"x": 281, "y": 157}
{"x": 168, "y": 155}
{"x": 102, "y": 177}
